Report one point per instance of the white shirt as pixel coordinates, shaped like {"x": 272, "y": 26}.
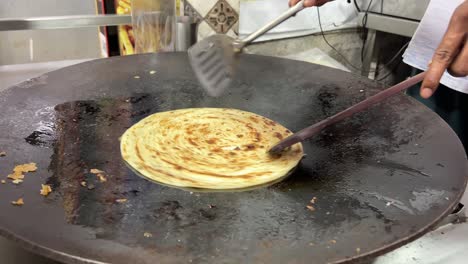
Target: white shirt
{"x": 427, "y": 38}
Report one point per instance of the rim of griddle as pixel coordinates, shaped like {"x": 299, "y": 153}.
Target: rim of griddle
{"x": 69, "y": 258}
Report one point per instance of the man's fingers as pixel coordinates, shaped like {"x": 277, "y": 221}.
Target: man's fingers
{"x": 459, "y": 67}
{"x": 293, "y": 2}
{"x": 442, "y": 58}
{"x": 309, "y": 3}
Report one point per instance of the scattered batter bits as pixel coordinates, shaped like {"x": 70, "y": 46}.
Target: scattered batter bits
{"x": 147, "y": 234}
{"x": 18, "y": 172}
{"x": 123, "y": 200}
{"x": 17, "y": 181}
{"x": 102, "y": 178}
{"x": 83, "y": 183}
{"x": 333, "y": 241}
{"x": 100, "y": 174}
{"x": 18, "y": 202}
{"x": 310, "y": 207}
{"x": 358, "y": 250}
{"x": 152, "y": 72}
{"x": 16, "y": 176}
{"x": 136, "y": 77}
{"x": 3, "y": 181}
{"x": 96, "y": 171}
{"x": 2, "y": 154}
{"x": 45, "y": 189}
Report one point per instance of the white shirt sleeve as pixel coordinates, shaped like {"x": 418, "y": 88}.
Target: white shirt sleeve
{"x": 427, "y": 38}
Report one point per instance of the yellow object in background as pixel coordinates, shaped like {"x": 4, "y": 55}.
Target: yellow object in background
{"x": 126, "y": 39}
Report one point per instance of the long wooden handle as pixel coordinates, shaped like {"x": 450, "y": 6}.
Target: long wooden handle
{"x": 314, "y": 129}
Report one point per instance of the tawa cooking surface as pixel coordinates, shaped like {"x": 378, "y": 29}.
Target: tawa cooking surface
{"x": 380, "y": 179}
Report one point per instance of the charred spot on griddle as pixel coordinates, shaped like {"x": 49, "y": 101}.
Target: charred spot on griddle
{"x": 140, "y": 113}
{"x": 41, "y": 138}
{"x": 136, "y": 99}
{"x": 168, "y": 210}
{"x": 134, "y": 192}
{"x": 209, "y": 215}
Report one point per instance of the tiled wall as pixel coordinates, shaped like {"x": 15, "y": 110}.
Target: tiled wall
{"x": 215, "y": 16}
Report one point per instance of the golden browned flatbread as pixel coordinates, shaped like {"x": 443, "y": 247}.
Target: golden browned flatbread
{"x": 209, "y": 148}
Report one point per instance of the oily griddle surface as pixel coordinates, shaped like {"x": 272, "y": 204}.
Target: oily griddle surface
{"x": 381, "y": 178}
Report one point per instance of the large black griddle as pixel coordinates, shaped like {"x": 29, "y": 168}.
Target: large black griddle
{"x": 381, "y": 178}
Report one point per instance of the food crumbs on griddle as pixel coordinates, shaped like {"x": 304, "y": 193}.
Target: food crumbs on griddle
{"x": 2, "y": 154}
{"x": 83, "y": 183}
{"x": 45, "y": 189}
{"x": 28, "y": 167}
{"x": 313, "y": 200}
{"x": 17, "y": 181}
{"x": 211, "y": 206}
{"x": 3, "y": 181}
{"x": 100, "y": 174}
{"x": 147, "y": 234}
{"x": 136, "y": 77}
{"x": 91, "y": 186}
{"x": 311, "y": 244}
{"x": 16, "y": 176}
{"x": 18, "y": 172}
{"x": 18, "y": 202}
{"x": 333, "y": 241}
{"x": 358, "y": 250}
{"x": 123, "y": 200}
{"x": 310, "y": 207}
{"x": 95, "y": 171}
{"x": 101, "y": 177}
{"x": 152, "y": 72}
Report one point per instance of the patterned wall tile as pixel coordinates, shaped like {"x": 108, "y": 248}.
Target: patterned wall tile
{"x": 235, "y": 4}
{"x": 222, "y": 17}
{"x": 189, "y": 10}
{"x": 204, "y": 30}
{"x": 212, "y": 22}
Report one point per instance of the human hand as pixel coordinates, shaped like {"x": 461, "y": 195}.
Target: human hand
{"x": 309, "y": 3}
{"x": 452, "y": 53}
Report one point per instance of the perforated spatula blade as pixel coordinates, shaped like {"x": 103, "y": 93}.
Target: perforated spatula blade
{"x": 212, "y": 60}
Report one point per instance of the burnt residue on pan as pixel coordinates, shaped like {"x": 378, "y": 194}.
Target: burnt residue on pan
{"x": 360, "y": 177}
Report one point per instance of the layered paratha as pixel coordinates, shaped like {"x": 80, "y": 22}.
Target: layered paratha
{"x": 209, "y": 148}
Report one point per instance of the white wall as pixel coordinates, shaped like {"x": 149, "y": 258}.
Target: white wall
{"x": 47, "y": 45}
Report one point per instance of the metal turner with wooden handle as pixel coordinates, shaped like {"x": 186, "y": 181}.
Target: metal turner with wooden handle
{"x": 213, "y": 58}
{"x": 314, "y": 129}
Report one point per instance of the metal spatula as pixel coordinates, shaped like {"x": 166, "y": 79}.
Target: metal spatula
{"x": 314, "y": 129}
{"x": 213, "y": 59}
